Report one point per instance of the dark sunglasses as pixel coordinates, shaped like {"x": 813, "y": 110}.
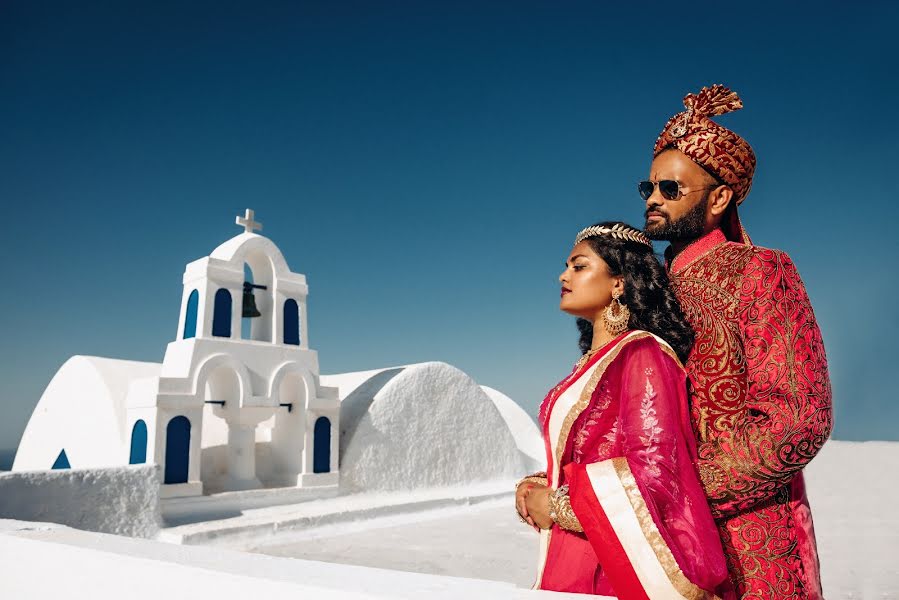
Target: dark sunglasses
{"x": 670, "y": 189}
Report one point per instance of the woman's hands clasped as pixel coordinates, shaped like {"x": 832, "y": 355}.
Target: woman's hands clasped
{"x": 532, "y": 503}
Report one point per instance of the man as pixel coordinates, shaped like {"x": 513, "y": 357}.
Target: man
{"x": 760, "y": 399}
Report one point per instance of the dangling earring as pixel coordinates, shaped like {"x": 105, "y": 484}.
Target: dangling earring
{"x": 613, "y": 323}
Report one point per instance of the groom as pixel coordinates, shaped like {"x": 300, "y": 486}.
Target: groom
{"x": 761, "y": 398}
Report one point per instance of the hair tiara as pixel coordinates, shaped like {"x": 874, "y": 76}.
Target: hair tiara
{"x": 617, "y": 231}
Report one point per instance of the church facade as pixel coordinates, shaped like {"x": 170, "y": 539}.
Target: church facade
{"x": 236, "y": 403}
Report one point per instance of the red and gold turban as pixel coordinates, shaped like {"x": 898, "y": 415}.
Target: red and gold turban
{"x": 715, "y": 148}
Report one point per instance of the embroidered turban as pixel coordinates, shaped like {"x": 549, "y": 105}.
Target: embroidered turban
{"x": 717, "y": 149}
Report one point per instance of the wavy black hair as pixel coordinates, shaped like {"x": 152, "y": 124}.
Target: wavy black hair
{"x": 647, "y": 292}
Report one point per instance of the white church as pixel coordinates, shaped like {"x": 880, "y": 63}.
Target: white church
{"x": 236, "y": 404}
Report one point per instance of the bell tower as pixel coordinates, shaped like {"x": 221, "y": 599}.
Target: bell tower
{"x": 239, "y": 402}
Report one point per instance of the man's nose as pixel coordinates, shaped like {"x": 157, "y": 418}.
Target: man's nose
{"x": 655, "y": 199}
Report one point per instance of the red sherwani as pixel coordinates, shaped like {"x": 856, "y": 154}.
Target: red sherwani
{"x": 761, "y": 408}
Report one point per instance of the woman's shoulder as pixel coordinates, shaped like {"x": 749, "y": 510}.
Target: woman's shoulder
{"x": 649, "y": 346}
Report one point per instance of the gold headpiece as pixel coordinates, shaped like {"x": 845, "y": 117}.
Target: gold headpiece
{"x": 617, "y": 231}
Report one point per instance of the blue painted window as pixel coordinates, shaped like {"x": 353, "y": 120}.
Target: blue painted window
{"x": 291, "y": 322}
{"x": 138, "y": 443}
{"x": 62, "y": 461}
{"x": 321, "y": 454}
{"x": 177, "y": 450}
{"x": 221, "y": 319}
{"x": 190, "y": 317}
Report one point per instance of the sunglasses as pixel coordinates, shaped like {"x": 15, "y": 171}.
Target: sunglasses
{"x": 670, "y": 189}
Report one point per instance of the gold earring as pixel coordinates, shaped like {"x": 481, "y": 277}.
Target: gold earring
{"x": 613, "y": 323}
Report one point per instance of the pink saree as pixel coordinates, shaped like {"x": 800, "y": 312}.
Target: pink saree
{"x": 617, "y": 432}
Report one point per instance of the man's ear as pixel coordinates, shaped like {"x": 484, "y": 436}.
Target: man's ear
{"x": 719, "y": 199}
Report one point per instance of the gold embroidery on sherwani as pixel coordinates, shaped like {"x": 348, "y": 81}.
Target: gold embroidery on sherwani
{"x": 681, "y": 583}
{"x": 756, "y": 427}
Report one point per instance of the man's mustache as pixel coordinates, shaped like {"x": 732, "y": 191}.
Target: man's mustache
{"x": 653, "y": 211}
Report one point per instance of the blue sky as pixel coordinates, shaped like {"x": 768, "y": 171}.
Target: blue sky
{"x": 426, "y": 165}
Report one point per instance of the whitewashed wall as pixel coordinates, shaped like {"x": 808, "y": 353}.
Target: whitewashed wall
{"x": 119, "y": 500}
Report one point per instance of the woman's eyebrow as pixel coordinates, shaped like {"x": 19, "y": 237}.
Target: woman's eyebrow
{"x": 571, "y": 259}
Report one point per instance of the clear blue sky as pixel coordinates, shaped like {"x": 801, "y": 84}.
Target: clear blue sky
{"x": 426, "y": 165}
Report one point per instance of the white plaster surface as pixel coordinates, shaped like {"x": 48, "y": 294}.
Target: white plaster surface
{"x": 851, "y": 488}
{"x": 251, "y": 527}
{"x": 65, "y": 563}
{"x": 421, "y": 426}
{"x": 121, "y": 500}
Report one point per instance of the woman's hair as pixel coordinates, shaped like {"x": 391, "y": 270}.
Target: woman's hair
{"x": 647, "y": 292}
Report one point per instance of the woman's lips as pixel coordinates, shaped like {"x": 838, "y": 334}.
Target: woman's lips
{"x": 565, "y": 291}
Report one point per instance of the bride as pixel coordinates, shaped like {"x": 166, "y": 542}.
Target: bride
{"x": 620, "y": 509}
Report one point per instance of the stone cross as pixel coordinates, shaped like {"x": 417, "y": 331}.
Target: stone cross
{"x": 248, "y": 223}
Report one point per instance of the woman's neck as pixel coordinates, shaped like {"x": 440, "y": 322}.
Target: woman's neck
{"x": 601, "y": 337}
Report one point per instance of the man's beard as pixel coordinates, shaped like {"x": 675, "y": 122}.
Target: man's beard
{"x": 689, "y": 227}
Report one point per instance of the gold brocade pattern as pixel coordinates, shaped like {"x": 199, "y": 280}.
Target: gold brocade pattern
{"x": 684, "y": 586}
{"x": 715, "y": 147}
{"x": 761, "y": 407}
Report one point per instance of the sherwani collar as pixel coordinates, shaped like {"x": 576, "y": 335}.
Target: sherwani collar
{"x": 709, "y": 241}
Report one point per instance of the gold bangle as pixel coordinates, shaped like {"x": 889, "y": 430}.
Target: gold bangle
{"x": 536, "y": 478}
{"x": 561, "y": 512}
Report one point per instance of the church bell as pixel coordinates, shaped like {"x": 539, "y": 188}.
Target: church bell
{"x": 249, "y": 300}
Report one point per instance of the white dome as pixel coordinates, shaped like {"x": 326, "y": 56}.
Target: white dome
{"x": 524, "y": 429}
{"x": 421, "y": 426}
{"x": 82, "y": 411}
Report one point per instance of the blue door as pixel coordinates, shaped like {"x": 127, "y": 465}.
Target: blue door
{"x": 321, "y": 444}
{"x": 177, "y": 450}
{"x": 138, "y": 443}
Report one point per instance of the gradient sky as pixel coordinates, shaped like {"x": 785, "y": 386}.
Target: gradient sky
{"x": 426, "y": 165}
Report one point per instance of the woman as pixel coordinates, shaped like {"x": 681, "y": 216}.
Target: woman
{"x": 620, "y": 508}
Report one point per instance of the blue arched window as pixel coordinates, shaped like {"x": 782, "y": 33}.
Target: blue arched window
{"x": 221, "y": 316}
{"x": 62, "y": 461}
{"x": 321, "y": 444}
{"x": 138, "y": 443}
{"x": 291, "y": 322}
{"x": 190, "y": 316}
{"x": 177, "y": 450}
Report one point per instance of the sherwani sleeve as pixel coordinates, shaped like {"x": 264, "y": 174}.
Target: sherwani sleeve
{"x": 643, "y": 510}
{"x": 788, "y": 413}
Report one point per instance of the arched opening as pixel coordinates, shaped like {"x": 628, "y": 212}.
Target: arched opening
{"x": 221, "y": 390}
{"x": 246, "y": 323}
{"x": 190, "y": 315}
{"x": 138, "y": 454}
{"x": 62, "y": 461}
{"x": 177, "y": 450}
{"x": 288, "y": 435}
{"x": 259, "y": 271}
{"x": 291, "y": 322}
{"x": 221, "y": 316}
{"x": 321, "y": 454}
